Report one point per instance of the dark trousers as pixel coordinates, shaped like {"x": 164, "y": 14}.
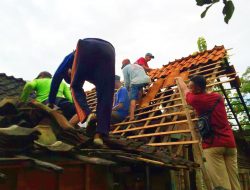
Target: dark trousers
{"x": 94, "y": 62}
{"x": 65, "y": 105}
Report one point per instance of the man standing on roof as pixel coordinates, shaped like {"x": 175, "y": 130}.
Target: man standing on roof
{"x": 135, "y": 78}
{"x": 220, "y": 148}
{"x": 41, "y": 86}
{"x": 93, "y": 61}
{"x": 143, "y": 61}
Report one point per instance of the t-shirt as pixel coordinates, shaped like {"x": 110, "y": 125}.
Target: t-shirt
{"x": 42, "y": 89}
{"x": 134, "y": 74}
{"x": 223, "y": 134}
{"x": 142, "y": 61}
{"x": 121, "y": 96}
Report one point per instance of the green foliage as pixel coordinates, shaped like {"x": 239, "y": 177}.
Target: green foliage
{"x": 245, "y": 80}
{"x": 227, "y": 11}
{"x": 202, "y": 44}
{"x": 237, "y": 106}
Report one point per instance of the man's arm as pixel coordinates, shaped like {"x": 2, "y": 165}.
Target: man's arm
{"x": 147, "y": 69}
{"x": 126, "y": 78}
{"x": 117, "y": 107}
{"x": 28, "y": 88}
{"x": 59, "y": 75}
{"x": 122, "y": 95}
{"x": 182, "y": 85}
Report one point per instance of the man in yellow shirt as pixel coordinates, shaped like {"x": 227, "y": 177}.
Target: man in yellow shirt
{"x": 41, "y": 86}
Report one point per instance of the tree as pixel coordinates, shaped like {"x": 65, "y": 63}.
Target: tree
{"x": 202, "y": 44}
{"x": 237, "y": 106}
{"x": 227, "y": 11}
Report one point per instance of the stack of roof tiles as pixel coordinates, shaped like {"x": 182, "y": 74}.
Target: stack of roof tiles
{"x": 10, "y": 86}
{"x": 180, "y": 67}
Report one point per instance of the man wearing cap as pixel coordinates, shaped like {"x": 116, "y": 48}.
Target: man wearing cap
{"x": 121, "y": 102}
{"x": 135, "y": 78}
{"x": 143, "y": 61}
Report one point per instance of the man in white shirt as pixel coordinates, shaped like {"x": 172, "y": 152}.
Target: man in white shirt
{"x": 135, "y": 78}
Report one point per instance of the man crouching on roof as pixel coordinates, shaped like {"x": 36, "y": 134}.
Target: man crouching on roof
{"x": 41, "y": 86}
{"x": 93, "y": 61}
{"x": 135, "y": 78}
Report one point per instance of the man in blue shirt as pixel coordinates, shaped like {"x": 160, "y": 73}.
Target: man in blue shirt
{"x": 93, "y": 61}
{"x": 120, "y": 108}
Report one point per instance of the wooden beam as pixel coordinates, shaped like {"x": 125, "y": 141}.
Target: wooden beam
{"x": 173, "y": 143}
{"x": 151, "y": 126}
{"x": 159, "y": 134}
{"x": 149, "y": 118}
{"x": 205, "y": 66}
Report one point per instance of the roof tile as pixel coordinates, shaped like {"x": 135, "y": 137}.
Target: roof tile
{"x": 215, "y": 54}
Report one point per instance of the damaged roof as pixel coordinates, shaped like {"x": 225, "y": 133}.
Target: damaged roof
{"x": 10, "y": 86}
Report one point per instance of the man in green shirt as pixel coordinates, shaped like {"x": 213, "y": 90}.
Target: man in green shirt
{"x": 41, "y": 86}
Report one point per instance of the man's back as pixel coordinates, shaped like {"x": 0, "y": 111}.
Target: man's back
{"x": 134, "y": 74}
{"x": 219, "y": 122}
{"x": 42, "y": 89}
{"x": 121, "y": 96}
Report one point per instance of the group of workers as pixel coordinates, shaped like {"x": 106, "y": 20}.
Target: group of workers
{"x": 94, "y": 61}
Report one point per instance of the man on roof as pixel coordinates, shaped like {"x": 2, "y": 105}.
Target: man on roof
{"x": 41, "y": 86}
{"x": 135, "y": 78}
{"x": 120, "y": 108}
{"x": 93, "y": 61}
{"x": 143, "y": 61}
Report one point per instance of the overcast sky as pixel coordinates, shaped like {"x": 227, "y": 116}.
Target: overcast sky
{"x": 35, "y": 35}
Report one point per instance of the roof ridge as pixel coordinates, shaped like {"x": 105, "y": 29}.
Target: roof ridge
{"x": 196, "y": 55}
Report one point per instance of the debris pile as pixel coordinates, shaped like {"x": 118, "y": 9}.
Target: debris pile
{"x": 31, "y": 129}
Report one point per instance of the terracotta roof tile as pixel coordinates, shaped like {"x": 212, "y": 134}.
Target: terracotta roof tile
{"x": 213, "y": 55}
{"x": 169, "y": 81}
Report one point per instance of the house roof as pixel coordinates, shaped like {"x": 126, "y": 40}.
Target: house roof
{"x": 10, "y": 86}
{"x": 189, "y": 62}
{"x": 162, "y": 121}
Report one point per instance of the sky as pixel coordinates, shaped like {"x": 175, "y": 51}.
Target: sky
{"x": 35, "y": 35}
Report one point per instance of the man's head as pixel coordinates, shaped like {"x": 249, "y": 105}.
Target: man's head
{"x": 118, "y": 83}
{"x": 125, "y": 62}
{"x": 197, "y": 84}
{"x": 149, "y": 56}
{"x": 44, "y": 74}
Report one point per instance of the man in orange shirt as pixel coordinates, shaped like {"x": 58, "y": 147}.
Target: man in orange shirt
{"x": 143, "y": 61}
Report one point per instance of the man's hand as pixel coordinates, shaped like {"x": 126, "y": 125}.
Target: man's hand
{"x": 53, "y": 106}
{"x": 178, "y": 78}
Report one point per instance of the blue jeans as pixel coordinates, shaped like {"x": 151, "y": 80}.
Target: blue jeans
{"x": 135, "y": 89}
